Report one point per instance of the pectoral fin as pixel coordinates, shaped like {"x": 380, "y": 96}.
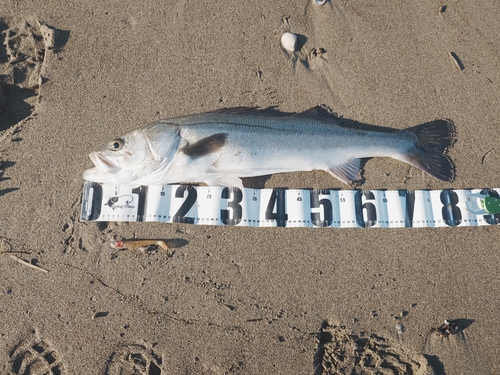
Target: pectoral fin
{"x": 206, "y": 145}
{"x": 346, "y": 172}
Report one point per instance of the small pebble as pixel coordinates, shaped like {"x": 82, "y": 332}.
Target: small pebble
{"x": 289, "y": 41}
{"x": 450, "y": 327}
{"x": 400, "y": 329}
{"x": 319, "y": 2}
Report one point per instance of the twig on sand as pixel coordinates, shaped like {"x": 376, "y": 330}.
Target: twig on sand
{"x": 23, "y": 262}
{"x": 458, "y": 63}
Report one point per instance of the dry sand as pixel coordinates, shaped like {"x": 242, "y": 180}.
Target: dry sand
{"x": 242, "y": 300}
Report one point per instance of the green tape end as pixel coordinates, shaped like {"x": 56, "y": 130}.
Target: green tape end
{"x": 491, "y": 204}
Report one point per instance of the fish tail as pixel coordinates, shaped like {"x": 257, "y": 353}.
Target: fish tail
{"x": 429, "y": 153}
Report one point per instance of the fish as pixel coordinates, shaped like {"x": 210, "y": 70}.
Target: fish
{"x": 220, "y": 147}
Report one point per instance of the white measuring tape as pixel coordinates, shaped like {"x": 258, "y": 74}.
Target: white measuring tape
{"x": 208, "y": 205}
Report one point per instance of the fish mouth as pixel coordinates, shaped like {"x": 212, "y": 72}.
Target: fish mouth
{"x": 102, "y": 163}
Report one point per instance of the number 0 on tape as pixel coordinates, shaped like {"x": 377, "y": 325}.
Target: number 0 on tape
{"x": 208, "y": 205}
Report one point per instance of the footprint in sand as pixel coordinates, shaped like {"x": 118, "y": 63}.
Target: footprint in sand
{"x": 24, "y": 49}
{"x": 134, "y": 360}
{"x": 35, "y": 356}
{"x": 343, "y": 352}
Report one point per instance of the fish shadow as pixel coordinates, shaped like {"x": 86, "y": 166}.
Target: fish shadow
{"x": 258, "y": 182}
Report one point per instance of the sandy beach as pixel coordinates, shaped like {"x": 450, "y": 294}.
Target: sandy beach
{"x": 242, "y": 300}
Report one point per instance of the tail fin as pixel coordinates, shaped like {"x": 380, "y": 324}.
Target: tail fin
{"x": 433, "y": 139}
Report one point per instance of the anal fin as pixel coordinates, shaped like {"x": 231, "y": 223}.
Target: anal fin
{"x": 346, "y": 172}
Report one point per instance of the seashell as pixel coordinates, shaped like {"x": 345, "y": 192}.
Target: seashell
{"x": 319, "y": 2}
{"x": 289, "y": 41}
{"x": 400, "y": 329}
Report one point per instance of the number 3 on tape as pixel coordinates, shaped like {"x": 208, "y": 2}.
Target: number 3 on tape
{"x": 208, "y": 205}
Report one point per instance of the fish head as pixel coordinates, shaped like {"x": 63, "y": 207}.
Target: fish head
{"x": 134, "y": 156}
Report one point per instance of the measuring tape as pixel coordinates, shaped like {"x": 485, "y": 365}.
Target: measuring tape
{"x": 207, "y": 205}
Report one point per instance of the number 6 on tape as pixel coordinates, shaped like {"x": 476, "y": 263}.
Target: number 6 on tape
{"x": 214, "y": 205}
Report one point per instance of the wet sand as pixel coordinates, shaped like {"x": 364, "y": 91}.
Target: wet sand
{"x": 242, "y": 300}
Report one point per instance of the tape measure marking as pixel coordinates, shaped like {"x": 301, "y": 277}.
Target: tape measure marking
{"x": 208, "y": 205}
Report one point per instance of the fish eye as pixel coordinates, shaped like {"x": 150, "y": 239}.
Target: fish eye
{"x": 116, "y": 145}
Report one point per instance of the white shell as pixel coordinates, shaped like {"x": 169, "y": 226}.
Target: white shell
{"x": 289, "y": 41}
{"x": 400, "y": 329}
{"x": 319, "y": 2}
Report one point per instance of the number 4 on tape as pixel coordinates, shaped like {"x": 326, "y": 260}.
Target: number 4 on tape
{"x": 208, "y": 205}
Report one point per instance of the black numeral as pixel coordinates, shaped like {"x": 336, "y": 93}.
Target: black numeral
{"x": 234, "y": 204}
{"x": 369, "y": 208}
{"x": 142, "y": 192}
{"x": 179, "y": 216}
{"x": 451, "y": 214}
{"x": 325, "y": 204}
{"x": 410, "y": 206}
{"x": 95, "y": 209}
{"x": 277, "y": 200}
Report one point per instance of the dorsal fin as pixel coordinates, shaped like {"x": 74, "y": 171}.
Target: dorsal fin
{"x": 316, "y": 113}
{"x": 248, "y": 111}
